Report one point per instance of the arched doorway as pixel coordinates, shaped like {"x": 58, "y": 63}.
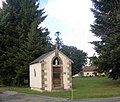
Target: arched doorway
{"x": 57, "y": 73}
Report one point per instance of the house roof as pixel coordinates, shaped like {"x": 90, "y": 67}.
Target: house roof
{"x": 89, "y": 68}
{"x": 42, "y": 57}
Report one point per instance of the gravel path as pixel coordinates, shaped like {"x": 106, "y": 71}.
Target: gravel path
{"x": 12, "y": 96}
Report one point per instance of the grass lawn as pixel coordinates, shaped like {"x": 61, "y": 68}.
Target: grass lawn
{"x": 94, "y": 87}
{"x": 83, "y": 87}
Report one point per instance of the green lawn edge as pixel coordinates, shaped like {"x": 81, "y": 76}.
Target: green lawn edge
{"x": 83, "y": 88}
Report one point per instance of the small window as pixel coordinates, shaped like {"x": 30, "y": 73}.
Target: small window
{"x": 56, "y": 61}
{"x": 34, "y": 73}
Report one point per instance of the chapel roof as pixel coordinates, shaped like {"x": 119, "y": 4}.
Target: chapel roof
{"x": 42, "y": 57}
{"x": 89, "y": 68}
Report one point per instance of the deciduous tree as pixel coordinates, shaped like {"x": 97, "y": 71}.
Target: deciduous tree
{"x": 78, "y": 56}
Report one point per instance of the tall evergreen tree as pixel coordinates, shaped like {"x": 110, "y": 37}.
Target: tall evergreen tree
{"x": 22, "y": 40}
{"x": 58, "y": 40}
{"x": 107, "y": 27}
{"x": 9, "y": 42}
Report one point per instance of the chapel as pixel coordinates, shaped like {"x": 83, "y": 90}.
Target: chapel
{"x": 50, "y": 72}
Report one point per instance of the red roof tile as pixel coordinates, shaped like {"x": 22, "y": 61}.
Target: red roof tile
{"x": 89, "y": 68}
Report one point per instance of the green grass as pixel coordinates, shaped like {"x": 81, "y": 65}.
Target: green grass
{"x": 94, "y": 87}
{"x": 91, "y": 87}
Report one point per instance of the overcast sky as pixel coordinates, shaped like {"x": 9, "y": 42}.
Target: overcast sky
{"x": 0, "y": 3}
{"x": 72, "y": 18}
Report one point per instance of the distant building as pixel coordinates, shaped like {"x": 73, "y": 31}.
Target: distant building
{"x": 76, "y": 75}
{"x": 89, "y": 71}
{"x": 50, "y": 72}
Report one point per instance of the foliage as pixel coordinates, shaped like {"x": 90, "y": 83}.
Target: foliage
{"x": 21, "y": 39}
{"x": 107, "y": 27}
{"x": 78, "y": 56}
{"x": 58, "y": 40}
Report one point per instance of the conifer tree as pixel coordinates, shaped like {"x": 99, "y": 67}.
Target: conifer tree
{"x": 107, "y": 27}
{"x": 22, "y": 40}
{"x": 58, "y": 40}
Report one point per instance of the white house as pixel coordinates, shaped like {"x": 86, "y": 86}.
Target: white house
{"x": 89, "y": 71}
{"x": 50, "y": 72}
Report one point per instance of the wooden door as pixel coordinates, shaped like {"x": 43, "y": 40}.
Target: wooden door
{"x": 56, "y": 77}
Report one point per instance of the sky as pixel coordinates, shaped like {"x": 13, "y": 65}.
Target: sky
{"x": 0, "y": 3}
{"x": 72, "y": 18}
